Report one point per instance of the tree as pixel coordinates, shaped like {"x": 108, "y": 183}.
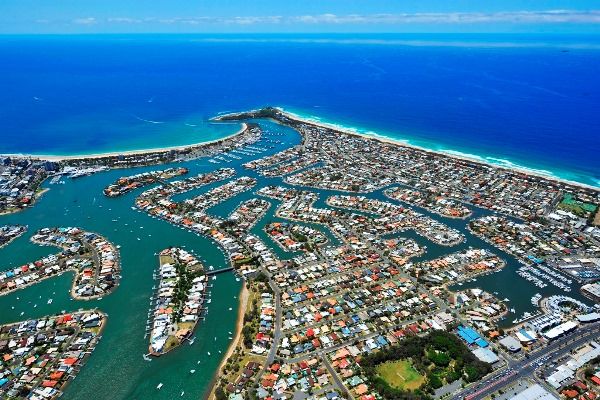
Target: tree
{"x": 220, "y": 393}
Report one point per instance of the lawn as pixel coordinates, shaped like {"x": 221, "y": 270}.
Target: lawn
{"x": 400, "y": 375}
{"x": 576, "y": 207}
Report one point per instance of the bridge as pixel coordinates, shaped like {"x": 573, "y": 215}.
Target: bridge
{"x": 219, "y": 271}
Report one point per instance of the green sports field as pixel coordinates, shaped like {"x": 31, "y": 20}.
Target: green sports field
{"x": 401, "y": 375}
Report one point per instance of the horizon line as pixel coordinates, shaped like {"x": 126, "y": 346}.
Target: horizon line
{"x": 564, "y": 33}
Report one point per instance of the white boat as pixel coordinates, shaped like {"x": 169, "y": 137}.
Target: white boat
{"x": 159, "y": 386}
{"x": 192, "y": 371}
{"x": 49, "y": 301}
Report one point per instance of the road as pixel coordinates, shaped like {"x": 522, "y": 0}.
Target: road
{"x": 278, "y": 313}
{"x": 518, "y": 369}
{"x": 336, "y": 379}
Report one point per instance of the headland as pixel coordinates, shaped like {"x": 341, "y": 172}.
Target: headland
{"x": 381, "y": 245}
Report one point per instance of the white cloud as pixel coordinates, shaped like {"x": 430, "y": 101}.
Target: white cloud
{"x": 551, "y": 16}
{"x": 515, "y": 17}
{"x": 85, "y": 21}
{"x": 124, "y": 20}
{"x": 272, "y": 19}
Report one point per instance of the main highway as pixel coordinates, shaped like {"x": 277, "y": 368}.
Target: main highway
{"x": 523, "y": 368}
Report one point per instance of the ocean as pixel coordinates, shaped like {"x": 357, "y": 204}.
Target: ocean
{"x": 526, "y": 100}
{"x": 530, "y": 101}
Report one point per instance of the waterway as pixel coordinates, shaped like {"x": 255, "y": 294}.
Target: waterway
{"x": 116, "y": 369}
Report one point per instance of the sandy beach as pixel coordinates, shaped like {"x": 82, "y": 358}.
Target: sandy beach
{"x": 51, "y": 157}
{"x": 243, "y": 297}
{"x": 384, "y": 139}
{"x": 239, "y": 324}
{"x": 311, "y": 121}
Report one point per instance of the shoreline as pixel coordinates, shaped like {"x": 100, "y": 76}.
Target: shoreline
{"x": 446, "y": 153}
{"x": 244, "y": 295}
{"x": 36, "y": 197}
{"x": 370, "y": 135}
{"x": 65, "y": 385}
{"x": 52, "y": 157}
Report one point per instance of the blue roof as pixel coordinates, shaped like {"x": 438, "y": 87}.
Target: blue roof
{"x": 465, "y": 337}
{"x": 524, "y": 333}
{"x": 470, "y": 332}
{"x": 469, "y": 335}
{"x": 482, "y": 343}
{"x": 535, "y": 260}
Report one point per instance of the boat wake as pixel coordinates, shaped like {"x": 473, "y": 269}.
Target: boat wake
{"x": 148, "y": 120}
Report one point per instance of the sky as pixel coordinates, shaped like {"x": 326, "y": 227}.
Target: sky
{"x": 298, "y": 16}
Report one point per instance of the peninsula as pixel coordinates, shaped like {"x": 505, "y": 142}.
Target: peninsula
{"x": 361, "y": 261}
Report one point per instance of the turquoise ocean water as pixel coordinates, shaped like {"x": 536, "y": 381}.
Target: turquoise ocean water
{"x": 520, "y": 100}
{"x": 534, "y": 106}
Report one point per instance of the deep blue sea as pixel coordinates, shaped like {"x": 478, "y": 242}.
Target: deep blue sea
{"x": 532, "y": 101}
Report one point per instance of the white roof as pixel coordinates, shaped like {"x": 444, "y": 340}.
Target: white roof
{"x": 535, "y": 392}
{"x": 486, "y": 355}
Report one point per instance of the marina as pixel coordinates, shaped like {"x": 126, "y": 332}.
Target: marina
{"x": 220, "y": 218}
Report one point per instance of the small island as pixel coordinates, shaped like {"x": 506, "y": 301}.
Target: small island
{"x": 41, "y": 356}
{"x": 94, "y": 260}
{"x": 128, "y": 183}
{"x": 8, "y": 233}
{"x": 178, "y": 300}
